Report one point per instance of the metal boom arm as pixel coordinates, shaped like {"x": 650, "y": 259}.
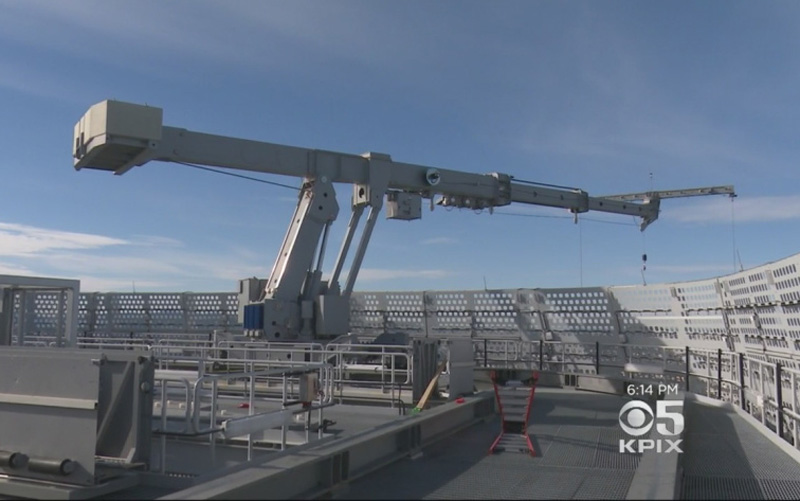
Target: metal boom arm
{"x": 294, "y": 301}
{"x": 118, "y": 136}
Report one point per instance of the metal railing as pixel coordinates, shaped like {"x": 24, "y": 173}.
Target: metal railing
{"x": 766, "y": 390}
{"x": 769, "y": 391}
{"x": 200, "y": 394}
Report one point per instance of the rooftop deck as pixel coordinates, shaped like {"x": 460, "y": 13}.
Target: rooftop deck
{"x": 728, "y": 456}
{"x": 576, "y": 437}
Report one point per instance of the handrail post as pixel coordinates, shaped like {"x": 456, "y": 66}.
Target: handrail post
{"x": 383, "y": 367}
{"x": 283, "y": 406}
{"x": 779, "y": 399}
{"x": 741, "y": 382}
{"x": 597, "y": 357}
{"x": 719, "y": 373}
{"x": 485, "y": 353}
{"x": 541, "y": 353}
{"x": 394, "y": 357}
{"x": 213, "y": 420}
{"x": 250, "y": 411}
{"x": 687, "y": 368}
{"x": 163, "y": 426}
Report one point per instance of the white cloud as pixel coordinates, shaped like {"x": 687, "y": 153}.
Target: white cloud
{"x": 745, "y": 210}
{"x": 13, "y": 269}
{"x": 24, "y": 240}
{"x": 123, "y": 263}
{"x": 149, "y": 260}
{"x": 156, "y": 241}
{"x": 157, "y": 266}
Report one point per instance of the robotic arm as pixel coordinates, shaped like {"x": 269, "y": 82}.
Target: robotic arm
{"x": 294, "y": 302}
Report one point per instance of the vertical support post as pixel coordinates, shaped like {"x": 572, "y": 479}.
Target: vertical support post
{"x": 686, "y": 372}
{"x": 283, "y": 406}
{"x": 163, "y": 458}
{"x": 391, "y": 382}
{"x": 383, "y": 368}
{"x": 778, "y": 399}
{"x": 541, "y": 353}
{"x": 528, "y": 352}
{"x": 319, "y": 410}
{"x": 473, "y": 319}
{"x": 184, "y": 310}
{"x": 485, "y": 353}
{"x": 719, "y": 373}
{"x": 6, "y": 316}
{"x": 425, "y": 311}
{"x": 764, "y": 398}
{"x": 742, "y": 401}
{"x": 597, "y": 357}
{"x": 212, "y": 419}
{"x": 60, "y": 313}
{"x": 73, "y": 314}
{"x": 23, "y": 306}
{"x": 250, "y": 407}
{"x": 793, "y": 381}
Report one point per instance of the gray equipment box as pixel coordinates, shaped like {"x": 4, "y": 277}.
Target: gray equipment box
{"x": 65, "y": 413}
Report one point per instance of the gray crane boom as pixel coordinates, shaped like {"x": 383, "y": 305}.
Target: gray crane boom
{"x": 682, "y": 193}
{"x": 294, "y": 302}
{"x": 117, "y": 136}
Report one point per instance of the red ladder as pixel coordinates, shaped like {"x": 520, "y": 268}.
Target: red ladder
{"x": 514, "y": 399}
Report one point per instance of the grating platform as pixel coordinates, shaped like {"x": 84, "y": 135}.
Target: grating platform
{"x": 727, "y": 458}
{"x": 575, "y": 435}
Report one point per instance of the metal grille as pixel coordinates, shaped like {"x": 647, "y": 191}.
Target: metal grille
{"x": 726, "y": 458}
{"x": 573, "y": 441}
{"x": 780, "y": 489}
{"x": 700, "y": 487}
{"x": 759, "y": 308}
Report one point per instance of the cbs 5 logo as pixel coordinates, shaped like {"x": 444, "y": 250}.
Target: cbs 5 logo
{"x": 636, "y": 417}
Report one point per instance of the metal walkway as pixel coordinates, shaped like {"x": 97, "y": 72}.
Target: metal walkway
{"x": 575, "y": 435}
{"x": 725, "y": 457}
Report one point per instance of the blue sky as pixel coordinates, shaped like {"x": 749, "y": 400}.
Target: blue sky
{"x": 596, "y": 95}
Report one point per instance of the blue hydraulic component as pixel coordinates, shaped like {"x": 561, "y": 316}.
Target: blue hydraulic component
{"x": 254, "y": 316}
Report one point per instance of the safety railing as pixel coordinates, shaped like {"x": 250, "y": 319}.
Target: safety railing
{"x": 386, "y": 369}
{"x": 765, "y": 389}
{"x": 199, "y": 397}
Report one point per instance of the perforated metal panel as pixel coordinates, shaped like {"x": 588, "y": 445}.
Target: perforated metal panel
{"x": 759, "y": 308}
{"x": 116, "y": 314}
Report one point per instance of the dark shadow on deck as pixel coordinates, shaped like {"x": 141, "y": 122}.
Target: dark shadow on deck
{"x": 576, "y": 438}
{"x": 725, "y": 457}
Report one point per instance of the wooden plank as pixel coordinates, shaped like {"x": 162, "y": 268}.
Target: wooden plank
{"x": 429, "y": 390}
